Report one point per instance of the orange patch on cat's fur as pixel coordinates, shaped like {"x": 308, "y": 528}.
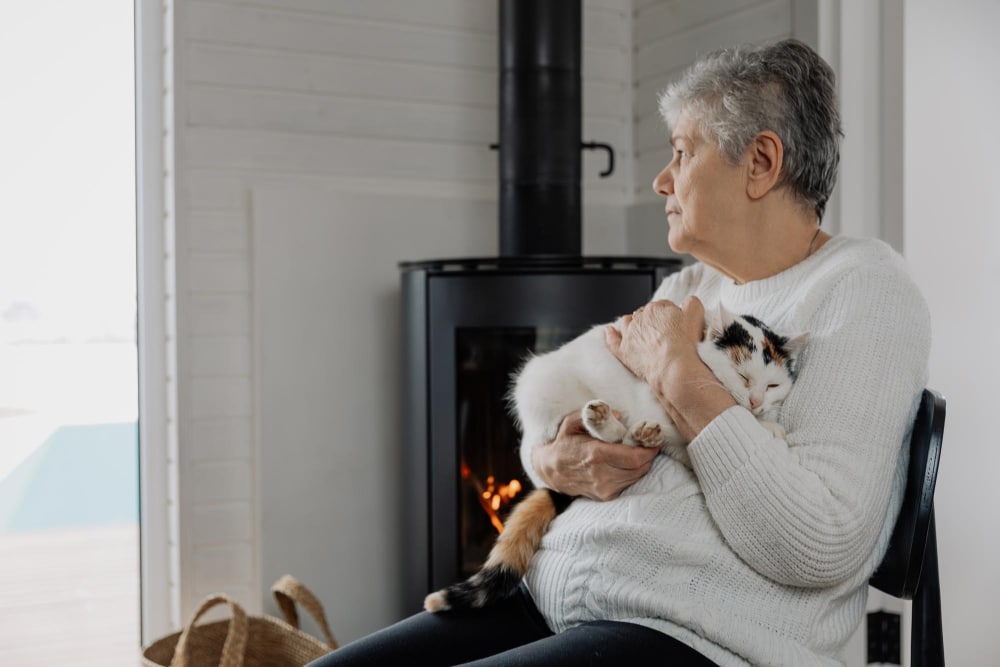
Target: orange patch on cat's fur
{"x": 739, "y": 355}
{"x": 776, "y": 354}
{"x": 523, "y": 532}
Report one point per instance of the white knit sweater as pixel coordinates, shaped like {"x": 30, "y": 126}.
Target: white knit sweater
{"x": 762, "y": 553}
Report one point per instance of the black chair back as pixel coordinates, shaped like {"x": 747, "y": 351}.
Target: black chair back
{"x": 909, "y": 569}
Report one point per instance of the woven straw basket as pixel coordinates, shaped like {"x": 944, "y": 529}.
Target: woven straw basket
{"x": 246, "y": 641}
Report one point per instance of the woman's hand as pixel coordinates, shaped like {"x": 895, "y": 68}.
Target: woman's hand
{"x": 578, "y": 465}
{"x": 659, "y": 344}
{"x": 657, "y": 334}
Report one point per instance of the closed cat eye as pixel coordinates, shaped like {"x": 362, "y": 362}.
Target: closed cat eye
{"x": 772, "y": 386}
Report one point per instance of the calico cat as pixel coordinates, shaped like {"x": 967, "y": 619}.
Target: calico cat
{"x": 756, "y": 365}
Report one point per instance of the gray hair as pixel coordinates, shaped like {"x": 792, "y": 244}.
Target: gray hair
{"x": 737, "y": 93}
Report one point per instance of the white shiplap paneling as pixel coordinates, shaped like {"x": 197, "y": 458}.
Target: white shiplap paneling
{"x": 279, "y": 29}
{"x": 217, "y": 314}
{"x": 221, "y": 438}
{"x": 229, "y": 523}
{"x": 758, "y": 22}
{"x": 225, "y": 356}
{"x": 227, "y": 66}
{"x": 657, "y": 20}
{"x": 222, "y": 230}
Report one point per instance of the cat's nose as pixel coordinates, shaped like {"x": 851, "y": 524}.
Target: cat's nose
{"x": 754, "y": 403}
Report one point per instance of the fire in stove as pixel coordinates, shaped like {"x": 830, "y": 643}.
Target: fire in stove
{"x": 493, "y": 499}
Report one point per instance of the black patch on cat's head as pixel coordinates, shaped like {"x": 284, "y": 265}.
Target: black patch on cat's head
{"x": 774, "y": 348}
{"x": 778, "y": 341}
{"x": 774, "y": 344}
{"x": 735, "y": 336}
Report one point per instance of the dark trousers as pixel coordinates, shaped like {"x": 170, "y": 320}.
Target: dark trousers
{"x": 511, "y": 633}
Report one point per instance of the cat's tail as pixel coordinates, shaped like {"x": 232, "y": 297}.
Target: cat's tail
{"x": 509, "y": 558}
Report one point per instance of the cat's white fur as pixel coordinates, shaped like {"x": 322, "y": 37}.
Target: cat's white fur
{"x": 585, "y": 374}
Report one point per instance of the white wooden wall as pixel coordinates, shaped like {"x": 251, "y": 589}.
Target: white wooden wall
{"x": 385, "y": 96}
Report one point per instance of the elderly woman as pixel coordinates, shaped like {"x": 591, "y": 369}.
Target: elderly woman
{"x": 761, "y": 552}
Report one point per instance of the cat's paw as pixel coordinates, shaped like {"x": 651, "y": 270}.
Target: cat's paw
{"x": 646, "y": 434}
{"x": 596, "y": 413}
{"x": 775, "y": 429}
{"x": 601, "y": 422}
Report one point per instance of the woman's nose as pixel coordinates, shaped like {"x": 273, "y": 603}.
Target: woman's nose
{"x": 663, "y": 184}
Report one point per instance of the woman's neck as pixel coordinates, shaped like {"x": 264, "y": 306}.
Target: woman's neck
{"x": 768, "y": 247}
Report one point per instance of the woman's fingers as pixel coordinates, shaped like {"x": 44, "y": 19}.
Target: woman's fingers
{"x": 613, "y": 339}
{"x": 694, "y": 317}
{"x": 578, "y": 465}
{"x": 612, "y": 467}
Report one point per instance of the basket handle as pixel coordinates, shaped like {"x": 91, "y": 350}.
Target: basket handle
{"x": 287, "y": 592}
{"x": 236, "y": 635}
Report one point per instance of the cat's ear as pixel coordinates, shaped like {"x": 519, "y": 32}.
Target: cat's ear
{"x": 721, "y": 318}
{"x": 795, "y": 344}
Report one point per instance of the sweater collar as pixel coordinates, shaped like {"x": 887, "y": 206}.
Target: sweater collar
{"x": 789, "y": 278}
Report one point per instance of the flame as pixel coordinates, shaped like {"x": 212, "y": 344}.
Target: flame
{"x": 493, "y": 498}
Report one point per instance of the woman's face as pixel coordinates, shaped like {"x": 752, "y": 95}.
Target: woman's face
{"x": 704, "y": 194}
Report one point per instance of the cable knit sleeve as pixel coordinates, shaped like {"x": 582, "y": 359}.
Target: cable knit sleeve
{"x": 808, "y": 510}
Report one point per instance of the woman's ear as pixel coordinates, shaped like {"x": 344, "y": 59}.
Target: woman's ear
{"x": 765, "y": 155}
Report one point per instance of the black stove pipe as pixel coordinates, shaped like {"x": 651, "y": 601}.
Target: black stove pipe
{"x": 540, "y": 127}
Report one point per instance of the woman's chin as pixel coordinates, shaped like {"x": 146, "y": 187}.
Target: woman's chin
{"x": 678, "y": 241}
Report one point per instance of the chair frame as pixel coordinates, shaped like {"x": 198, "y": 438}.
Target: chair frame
{"x": 909, "y": 569}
